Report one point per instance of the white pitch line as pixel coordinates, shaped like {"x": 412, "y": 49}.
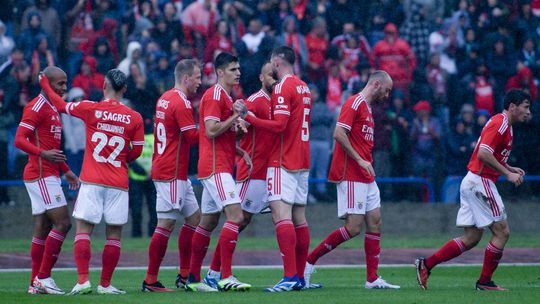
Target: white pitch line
{"x": 254, "y": 267}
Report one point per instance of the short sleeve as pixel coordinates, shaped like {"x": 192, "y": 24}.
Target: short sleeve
{"x": 184, "y": 117}
{"x": 138, "y": 135}
{"x": 30, "y": 119}
{"x": 490, "y": 136}
{"x": 83, "y": 109}
{"x": 281, "y": 100}
{"x": 346, "y": 116}
{"x": 212, "y": 106}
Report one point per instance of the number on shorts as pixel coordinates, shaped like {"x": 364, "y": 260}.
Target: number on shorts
{"x": 161, "y": 137}
{"x": 102, "y": 140}
{"x": 305, "y": 125}
{"x": 270, "y": 184}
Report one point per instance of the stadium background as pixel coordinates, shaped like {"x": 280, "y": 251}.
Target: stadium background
{"x": 457, "y": 56}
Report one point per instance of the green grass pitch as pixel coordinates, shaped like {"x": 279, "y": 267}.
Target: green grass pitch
{"x": 341, "y": 285}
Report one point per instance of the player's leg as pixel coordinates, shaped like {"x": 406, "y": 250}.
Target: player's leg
{"x": 42, "y": 227}
{"x": 493, "y": 254}
{"x": 192, "y": 217}
{"x": 82, "y": 253}
{"x": 156, "y": 252}
{"x": 372, "y": 248}
{"x": 48, "y": 199}
{"x": 109, "y": 259}
{"x": 301, "y": 228}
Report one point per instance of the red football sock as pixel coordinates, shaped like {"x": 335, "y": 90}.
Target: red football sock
{"x": 199, "y": 246}
{"x": 286, "y": 238}
{"x": 81, "y": 250}
{"x": 227, "y": 242}
{"x": 109, "y": 259}
{"x": 156, "y": 252}
{"x": 53, "y": 245}
{"x": 184, "y": 248}
{"x": 216, "y": 259}
{"x": 372, "y": 248}
{"x": 333, "y": 240}
{"x": 492, "y": 256}
{"x": 302, "y": 248}
{"x": 450, "y": 250}
{"x": 36, "y": 253}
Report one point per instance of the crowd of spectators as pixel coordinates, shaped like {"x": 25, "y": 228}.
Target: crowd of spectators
{"x": 451, "y": 62}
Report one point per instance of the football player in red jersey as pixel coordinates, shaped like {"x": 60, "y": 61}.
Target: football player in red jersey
{"x": 351, "y": 169}
{"x": 288, "y": 166}
{"x": 219, "y": 117}
{"x": 481, "y": 204}
{"x": 174, "y": 132}
{"x": 39, "y": 134}
{"x": 114, "y": 137}
{"x": 251, "y": 177}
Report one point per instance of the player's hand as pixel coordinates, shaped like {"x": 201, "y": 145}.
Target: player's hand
{"x": 54, "y": 156}
{"x": 517, "y": 170}
{"x": 515, "y": 178}
{"x": 367, "y": 166}
{"x": 72, "y": 180}
{"x": 242, "y": 124}
{"x": 247, "y": 159}
{"x": 240, "y": 108}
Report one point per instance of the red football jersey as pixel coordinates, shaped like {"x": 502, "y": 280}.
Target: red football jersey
{"x": 172, "y": 122}
{"x": 356, "y": 117}
{"x": 496, "y": 137}
{"x": 256, "y": 142}
{"x": 216, "y": 155}
{"x": 110, "y": 129}
{"x": 42, "y": 118}
{"x": 292, "y": 99}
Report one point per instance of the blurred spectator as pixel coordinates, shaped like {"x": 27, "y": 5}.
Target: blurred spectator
{"x": 529, "y": 57}
{"x": 291, "y": 37}
{"x": 133, "y": 55}
{"x": 400, "y": 117}
{"x": 6, "y": 44}
{"x": 27, "y": 39}
{"x": 103, "y": 55}
{"x": 250, "y": 64}
{"x": 198, "y": 20}
{"x": 341, "y": 11}
{"x": 236, "y": 28}
{"x": 382, "y": 143}
{"x": 425, "y": 136}
{"x": 107, "y": 31}
{"x": 141, "y": 92}
{"x": 170, "y": 14}
{"x": 163, "y": 75}
{"x": 162, "y": 34}
{"x": 282, "y": 12}
{"x": 466, "y": 116}
{"x": 434, "y": 9}
{"x": 89, "y": 80}
{"x": 320, "y": 138}
{"x": 394, "y": 56}
{"x": 219, "y": 41}
{"x": 501, "y": 63}
{"x": 49, "y": 17}
{"x": 253, "y": 38}
{"x": 334, "y": 88}
{"x": 42, "y": 56}
{"x": 437, "y": 79}
{"x": 416, "y": 31}
{"x": 73, "y": 130}
{"x": 479, "y": 89}
{"x": 349, "y": 29}
{"x": 317, "y": 46}
{"x": 106, "y": 9}
{"x": 459, "y": 147}
{"x": 523, "y": 80}
{"x": 482, "y": 117}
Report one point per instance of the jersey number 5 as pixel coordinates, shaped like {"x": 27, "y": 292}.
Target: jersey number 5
{"x": 102, "y": 140}
{"x": 305, "y": 126}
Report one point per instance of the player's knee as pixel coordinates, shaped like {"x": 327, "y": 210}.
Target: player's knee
{"x": 63, "y": 226}
{"x": 237, "y": 218}
{"x": 354, "y": 230}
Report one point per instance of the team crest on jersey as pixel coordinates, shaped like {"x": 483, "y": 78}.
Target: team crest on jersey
{"x": 248, "y": 202}
{"x": 359, "y": 204}
{"x": 231, "y": 194}
{"x": 58, "y": 198}
{"x": 98, "y": 114}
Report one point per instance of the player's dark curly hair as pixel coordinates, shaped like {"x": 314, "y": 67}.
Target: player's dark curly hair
{"x": 516, "y": 97}
{"x": 284, "y": 52}
{"x": 117, "y": 79}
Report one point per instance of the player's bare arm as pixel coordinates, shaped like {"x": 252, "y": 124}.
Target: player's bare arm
{"x": 341, "y": 135}
{"x": 515, "y": 170}
{"x": 489, "y": 159}
{"x": 215, "y": 128}
{"x": 53, "y": 155}
{"x": 56, "y": 100}
{"x": 72, "y": 180}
